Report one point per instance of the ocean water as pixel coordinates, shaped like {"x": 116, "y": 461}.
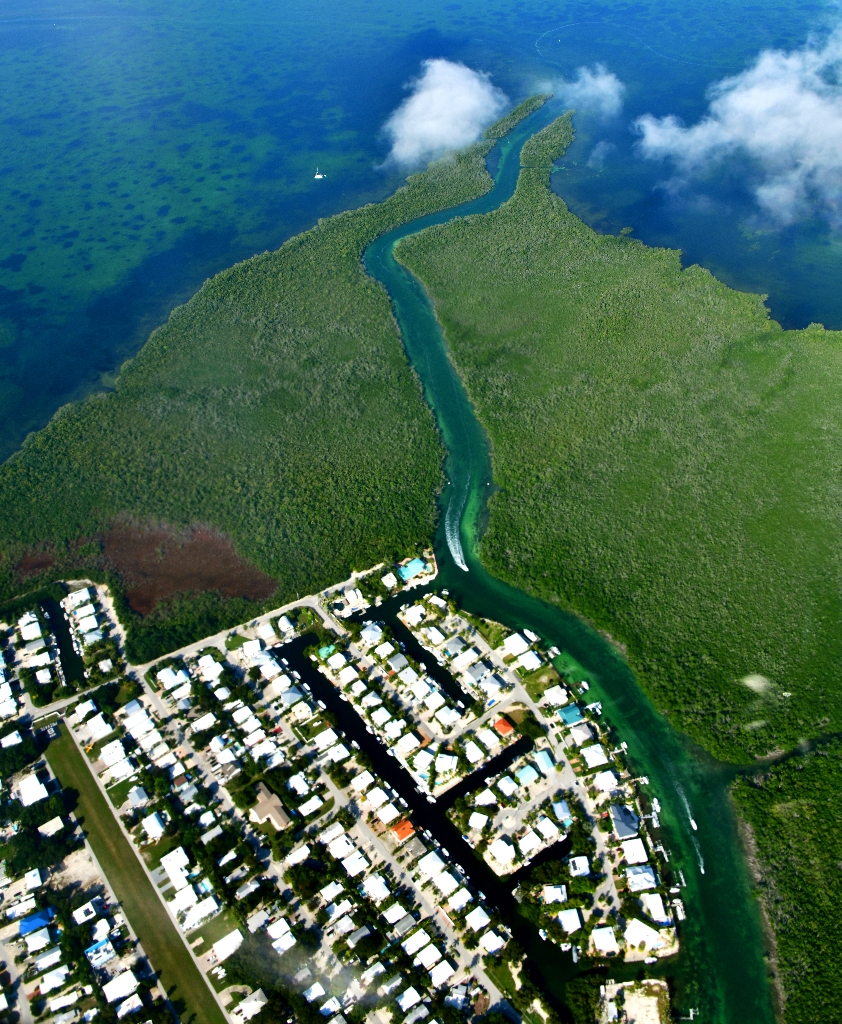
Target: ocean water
{"x": 147, "y": 145}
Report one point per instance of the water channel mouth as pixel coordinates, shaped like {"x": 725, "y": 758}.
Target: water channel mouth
{"x": 720, "y": 973}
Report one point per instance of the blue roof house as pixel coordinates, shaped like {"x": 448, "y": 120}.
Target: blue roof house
{"x": 571, "y": 714}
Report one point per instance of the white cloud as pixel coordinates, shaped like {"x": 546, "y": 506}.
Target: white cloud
{"x": 599, "y": 154}
{"x": 449, "y": 107}
{"x": 598, "y": 91}
{"x": 785, "y": 114}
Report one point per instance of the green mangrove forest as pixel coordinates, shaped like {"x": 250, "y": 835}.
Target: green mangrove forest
{"x": 277, "y": 406}
{"x": 668, "y": 463}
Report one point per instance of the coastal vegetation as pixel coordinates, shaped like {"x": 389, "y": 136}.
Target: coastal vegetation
{"x": 666, "y": 463}
{"x": 791, "y": 811}
{"x": 666, "y": 457}
{"x": 277, "y": 406}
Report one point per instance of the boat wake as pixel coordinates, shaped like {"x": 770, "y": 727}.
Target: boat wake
{"x": 693, "y": 825}
{"x": 452, "y": 522}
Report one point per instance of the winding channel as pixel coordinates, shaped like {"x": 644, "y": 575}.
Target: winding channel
{"x": 720, "y": 973}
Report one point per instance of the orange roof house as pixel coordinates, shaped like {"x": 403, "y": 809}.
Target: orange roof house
{"x": 503, "y": 727}
{"x": 403, "y": 830}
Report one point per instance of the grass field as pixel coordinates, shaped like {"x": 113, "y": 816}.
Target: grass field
{"x": 178, "y": 974}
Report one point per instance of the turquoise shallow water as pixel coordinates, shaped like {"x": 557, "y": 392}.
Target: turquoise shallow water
{"x": 146, "y": 146}
{"x": 720, "y": 973}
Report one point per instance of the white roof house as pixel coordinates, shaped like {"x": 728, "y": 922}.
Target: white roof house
{"x": 478, "y": 821}
{"x": 579, "y": 866}
{"x": 428, "y": 956}
{"x": 570, "y": 920}
{"x": 441, "y": 973}
{"x": 477, "y": 919}
{"x": 491, "y": 942}
{"x": 461, "y": 898}
{"x": 31, "y": 790}
{"x": 502, "y": 850}
{"x": 514, "y": 645}
{"x": 634, "y": 851}
{"x": 154, "y": 826}
{"x": 430, "y": 865}
{"x": 446, "y": 883}
{"x": 355, "y": 865}
{"x": 641, "y": 877}
{"x": 605, "y": 781}
{"x": 529, "y": 661}
{"x": 473, "y": 753}
{"x": 407, "y": 999}
{"x": 120, "y": 987}
{"x": 417, "y": 941}
{"x": 594, "y": 756}
{"x": 98, "y": 727}
{"x": 228, "y": 945}
{"x": 112, "y": 752}
{"x": 394, "y": 914}
{"x": 605, "y": 941}
{"x": 639, "y": 934}
{"x": 653, "y": 905}
{"x": 528, "y": 843}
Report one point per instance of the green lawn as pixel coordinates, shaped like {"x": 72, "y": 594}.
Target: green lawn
{"x": 212, "y": 931}
{"x": 178, "y": 974}
{"x": 539, "y": 680}
{"x": 119, "y": 793}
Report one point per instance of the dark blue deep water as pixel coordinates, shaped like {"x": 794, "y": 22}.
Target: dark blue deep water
{"x": 147, "y": 145}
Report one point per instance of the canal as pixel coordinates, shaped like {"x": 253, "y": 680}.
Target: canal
{"x": 720, "y": 972}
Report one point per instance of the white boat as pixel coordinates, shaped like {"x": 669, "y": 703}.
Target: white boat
{"x": 319, "y": 175}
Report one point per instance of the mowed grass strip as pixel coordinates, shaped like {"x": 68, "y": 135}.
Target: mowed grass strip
{"x": 178, "y": 974}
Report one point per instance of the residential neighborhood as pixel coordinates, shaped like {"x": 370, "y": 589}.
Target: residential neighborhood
{"x": 291, "y": 791}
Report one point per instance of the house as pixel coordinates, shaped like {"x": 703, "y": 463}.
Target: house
{"x": 503, "y": 727}
{"x": 579, "y": 866}
{"x": 605, "y": 941}
{"x": 605, "y": 781}
{"x": 477, "y": 919}
{"x": 634, "y": 852}
{"x": 571, "y": 715}
{"x": 120, "y": 987}
{"x": 154, "y": 826}
{"x": 555, "y": 696}
{"x": 544, "y": 762}
{"x": 269, "y": 808}
{"x": 30, "y": 790}
{"x": 594, "y": 756}
{"x": 453, "y": 646}
{"x": 528, "y": 843}
{"x": 502, "y": 850}
{"x": 403, "y": 830}
{"x": 641, "y": 877}
{"x": 250, "y": 1006}
{"x": 570, "y": 920}
{"x": 527, "y": 775}
{"x": 626, "y": 822}
{"x": 528, "y": 662}
{"x": 653, "y": 905}
{"x": 514, "y": 645}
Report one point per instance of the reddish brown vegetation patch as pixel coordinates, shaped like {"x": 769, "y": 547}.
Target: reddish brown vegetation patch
{"x": 157, "y": 562}
{"x": 32, "y": 564}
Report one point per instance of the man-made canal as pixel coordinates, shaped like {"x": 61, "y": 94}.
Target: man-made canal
{"x": 721, "y": 970}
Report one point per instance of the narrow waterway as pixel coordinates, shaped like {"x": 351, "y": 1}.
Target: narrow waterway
{"x": 721, "y": 972}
